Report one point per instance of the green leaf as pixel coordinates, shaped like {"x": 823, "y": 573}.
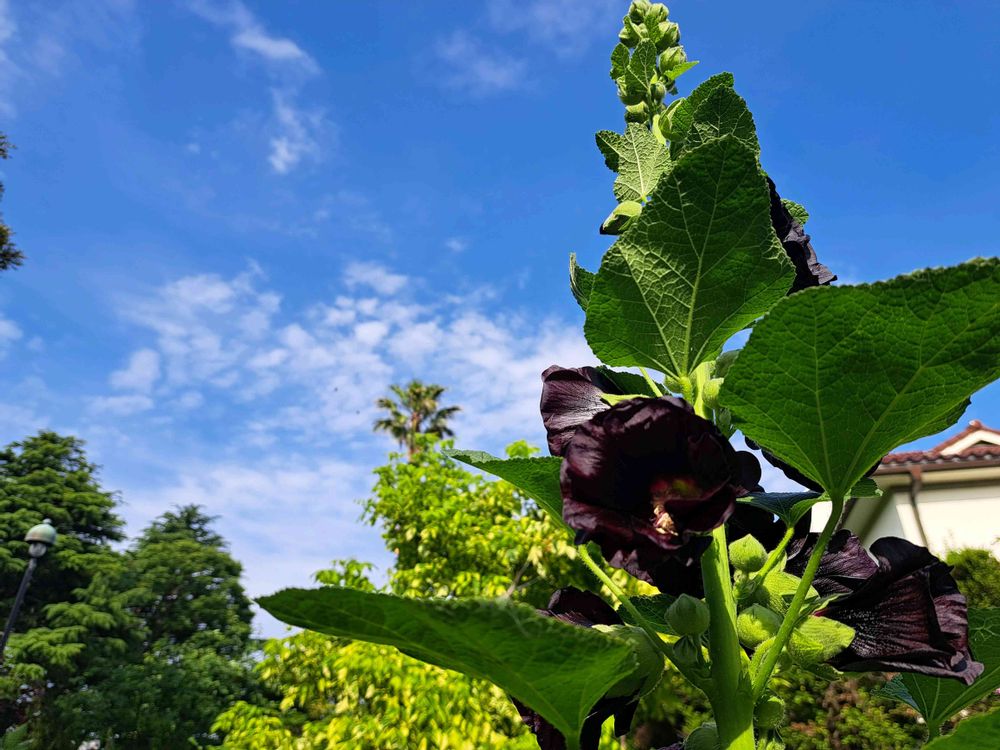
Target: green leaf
{"x": 637, "y": 157}
{"x": 581, "y": 281}
{"x": 653, "y": 609}
{"x": 976, "y": 733}
{"x": 797, "y": 210}
{"x": 620, "y": 216}
{"x": 836, "y": 377}
{"x": 683, "y": 114}
{"x": 722, "y": 112}
{"x": 619, "y": 60}
{"x": 642, "y": 67}
{"x": 790, "y": 507}
{"x": 939, "y": 699}
{"x": 866, "y": 487}
{"x": 678, "y": 70}
{"x": 557, "y": 669}
{"x": 696, "y": 266}
{"x": 537, "y": 477}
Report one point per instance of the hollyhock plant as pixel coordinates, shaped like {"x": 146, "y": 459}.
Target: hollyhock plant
{"x": 830, "y": 378}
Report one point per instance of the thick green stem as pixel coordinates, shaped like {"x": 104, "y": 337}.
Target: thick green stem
{"x": 732, "y": 701}
{"x": 763, "y": 675}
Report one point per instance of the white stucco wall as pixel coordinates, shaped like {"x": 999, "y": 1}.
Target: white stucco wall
{"x": 955, "y": 517}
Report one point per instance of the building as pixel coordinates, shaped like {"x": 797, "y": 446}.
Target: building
{"x": 944, "y": 498}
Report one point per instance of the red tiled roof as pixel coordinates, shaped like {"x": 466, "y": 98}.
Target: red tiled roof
{"x": 977, "y": 453}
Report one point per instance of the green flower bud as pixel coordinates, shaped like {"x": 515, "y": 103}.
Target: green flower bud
{"x": 769, "y": 713}
{"x": 688, "y": 616}
{"x": 710, "y": 394}
{"x": 637, "y": 112}
{"x": 756, "y": 624}
{"x": 648, "y": 656}
{"x": 686, "y": 652}
{"x": 624, "y": 212}
{"x": 671, "y": 58}
{"x": 705, "y": 737}
{"x": 638, "y": 9}
{"x": 746, "y": 553}
{"x": 629, "y": 35}
{"x": 631, "y": 96}
{"x": 671, "y": 34}
{"x": 658, "y": 91}
{"x": 657, "y": 13}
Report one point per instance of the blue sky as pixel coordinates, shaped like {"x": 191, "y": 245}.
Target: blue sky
{"x": 243, "y": 220}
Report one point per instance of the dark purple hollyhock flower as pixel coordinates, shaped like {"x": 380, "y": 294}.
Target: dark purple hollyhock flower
{"x": 907, "y": 613}
{"x": 585, "y": 610}
{"x": 643, "y": 478}
{"x": 808, "y": 270}
{"x": 570, "y": 397}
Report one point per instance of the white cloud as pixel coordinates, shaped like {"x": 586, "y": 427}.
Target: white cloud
{"x": 9, "y": 332}
{"x": 121, "y": 406}
{"x": 476, "y": 70}
{"x": 565, "y": 31}
{"x": 375, "y": 277}
{"x": 141, "y": 373}
{"x": 456, "y": 244}
{"x": 297, "y": 134}
{"x": 248, "y": 33}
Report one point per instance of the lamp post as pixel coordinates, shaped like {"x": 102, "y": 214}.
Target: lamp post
{"x": 39, "y": 538}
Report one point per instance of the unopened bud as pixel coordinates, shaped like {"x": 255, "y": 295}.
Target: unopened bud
{"x": 756, "y": 624}
{"x": 658, "y": 91}
{"x": 688, "y": 616}
{"x": 771, "y": 741}
{"x": 686, "y": 652}
{"x": 638, "y": 9}
{"x": 648, "y": 656}
{"x": 637, "y": 112}
{"x": 746, "y": 553}
{"x": 705, "y": 737}
{"x": 628, "y": 36}
{"x": 658, "y": 13}
{"x": 631, "y": 96}
{"x": 769, "y": 713}
{"x": 671, "y": 35}
{"x": 671, "y": 58}
{"x": 624, "y": 212}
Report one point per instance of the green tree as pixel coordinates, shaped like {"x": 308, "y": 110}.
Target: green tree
{"x": 10, "y": 256}
{"x": 414, "y": 412}
{"x": 189, "y": 649}
{"x": 66, "y": 620}
{"x": 346, "y": 694}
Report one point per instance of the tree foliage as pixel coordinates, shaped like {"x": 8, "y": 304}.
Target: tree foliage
{"x": 10, "y": 256}
{"x": 413, "y": 412}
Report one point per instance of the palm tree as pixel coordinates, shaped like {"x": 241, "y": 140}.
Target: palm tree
{"x": 414, "y": 412}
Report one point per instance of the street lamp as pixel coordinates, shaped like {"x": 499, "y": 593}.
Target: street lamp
{"x": 39, "y": 538}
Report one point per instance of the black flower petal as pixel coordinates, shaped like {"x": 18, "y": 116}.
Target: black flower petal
{"x": 808, "y": 270}
{"x": 583, "y": 609}
{"x": 908, "y": 614}
{"x": 570, "y": 397}
{"x": 643, "y": 478}
{"x": 844, "y": 567}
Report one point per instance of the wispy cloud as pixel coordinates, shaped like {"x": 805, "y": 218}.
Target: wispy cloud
{"x": 476, "y": 70}
{"x": 141, "y": 373}
{"x": 564, "y": 30}
{"x": 457, "y": 244}
{"x": 297, "y": 133}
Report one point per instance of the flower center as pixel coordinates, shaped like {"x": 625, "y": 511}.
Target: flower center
{"x": 662, "y": 491}
{"x": 663, "y": 522}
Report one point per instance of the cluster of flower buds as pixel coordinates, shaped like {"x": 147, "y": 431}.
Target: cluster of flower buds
{"x": 647, "y": 60}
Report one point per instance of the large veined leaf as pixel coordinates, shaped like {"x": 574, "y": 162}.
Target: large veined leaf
{"x": 683, "y": 114}
{"x": 836, "y": 377}
{"x": 700, "y": 263}
{"x": 536, "y": 477}
{"x": 791, "y": 507}
{"x": 637, "y": 157}
{"x": 557, "y": 669}
{"x": 721, "y": 112}
{"x": 939, "y": 699}
{"x": 581, "y": 281}
{"x": 977, "y": 733}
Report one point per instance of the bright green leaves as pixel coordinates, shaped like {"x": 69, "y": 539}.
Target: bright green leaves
{"x": 641, "y": 68}
{"x": 697, "y": 265}
{"x": 637, "y": 157}
{"x": 721, "y": 112}
{"x": 797, "y": 210}
{"x": 557, "y": 669}
{"x": 940, "y": 699}
{"x": 975, "y": 733}
{"x": 682, "y": 114}
{"x": 835, "y": 377}
{"x": 537, "y": 477}
{"x": 819, "y": 639}
{"x": 581, "y": 281}
{"x": 790, "y": 507}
